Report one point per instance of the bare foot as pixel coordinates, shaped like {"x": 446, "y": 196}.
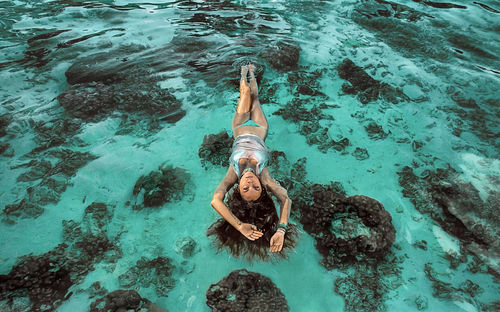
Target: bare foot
{"x": 253, "y": 82}
{"x": 251, "y": 68}
{"x": 244, "y": 71}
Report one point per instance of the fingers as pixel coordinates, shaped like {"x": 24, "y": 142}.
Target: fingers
{"x": 276, "y": 244}
{"x": 276, "y": 247}
{"x": 255, "y": 234}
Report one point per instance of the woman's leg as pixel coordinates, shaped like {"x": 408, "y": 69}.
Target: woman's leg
{"x": 256, "y": 113}
{"x": 245, "y": 101}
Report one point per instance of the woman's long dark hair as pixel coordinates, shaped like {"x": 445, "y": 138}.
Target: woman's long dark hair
{"x": 261, "y": 213}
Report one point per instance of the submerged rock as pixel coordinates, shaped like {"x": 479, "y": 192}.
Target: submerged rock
{"x": 45, "y": 279}
{"x": 367, "y": 88}
{"x": 186, "y": 246}
{"x": 242, "y": 290}
{"x": 157, "y": 272}
{"x": 457, "y": 207}
{"x": 162, "y": 186}
{"x": 215, "y": 149}
{"x": 124, "y": 300}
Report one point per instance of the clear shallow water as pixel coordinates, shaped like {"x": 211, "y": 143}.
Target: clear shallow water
{"x": 440, "y": 58}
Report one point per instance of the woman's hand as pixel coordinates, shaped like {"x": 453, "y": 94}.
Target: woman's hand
{"x": 250, "y": 231}
{"x": 277, "y": 242}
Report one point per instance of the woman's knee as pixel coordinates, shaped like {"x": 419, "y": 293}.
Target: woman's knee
{"x": 245, "y": 90}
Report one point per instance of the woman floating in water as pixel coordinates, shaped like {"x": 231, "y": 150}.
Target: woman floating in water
{"x": 251, "y": 226}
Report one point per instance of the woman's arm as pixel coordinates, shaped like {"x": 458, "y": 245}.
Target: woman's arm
{"x": 218, "y": 198}
{"x": 280, "y": 193}
{"x": 277, "y": 240}
{"x": 248, "y": 230}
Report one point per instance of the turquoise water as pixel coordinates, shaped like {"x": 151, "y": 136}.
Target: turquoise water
{"x": 96, "y": 94}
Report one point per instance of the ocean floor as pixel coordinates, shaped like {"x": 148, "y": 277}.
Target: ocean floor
{"x": 115, "y": 126}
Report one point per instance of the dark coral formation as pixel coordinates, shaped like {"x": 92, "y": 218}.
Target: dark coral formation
{"x": 307, "y": 111}
{"x": 45, "y": 279}
{"x": 124, "y": 300}
{"x": 367, "y": 88}
{"x": 93, "y": 101}
{"x": 370, "y": 272}
{"x": 53, "y": 182}
{"x": 360, "y": 153}
{"x": 105, "y": 83}
{"x": 365, "y": 285}
{"x": 242, "y": 290}
{"x": 215, "y": 149}
{"x": 104, "y": 66}
{"x": 166, "y": 184}
{"x": 283, "y": 55}
{"x": 458, "y": 208}
{"x": 308, "y": 120}
{"x": 54, "y": 133}
{"x": 478, "y": 117}
{"x": 467, "y": 291}
{"x": 41, "y": 278}
{"x": 375, "y": 131}
{"x": 6, "y": 149}
{"x": 147, "y": 272}
{"x": 5, "y": 120}
{"x": 405, "y": 30}
{"x": 307, "y": 83}
{"x": 346, "y": 229}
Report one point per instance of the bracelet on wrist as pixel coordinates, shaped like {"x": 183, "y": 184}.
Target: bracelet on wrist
{"x": 281, "y": 230}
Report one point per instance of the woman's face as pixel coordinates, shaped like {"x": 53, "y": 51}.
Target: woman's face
{"x": 250, "y": 187}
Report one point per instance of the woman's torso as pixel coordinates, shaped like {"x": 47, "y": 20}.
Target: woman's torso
{"x": 249, "y": 150}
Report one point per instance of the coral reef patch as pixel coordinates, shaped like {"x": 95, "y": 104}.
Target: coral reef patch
{"x": 41, "y": 282}
{"x": 366, "y": 285}
{"x": 166, "y": 184}
{"x": 457, "y": 207}
{"x": 109, "y": 82}
{"x": 215, "y": 149}
{"x": 157, "y": 272}
{"x": 466, "y": 292}
{"x": 308, "y": 121}
{"x": 353, "y": 234}
{"x": 243, "y": 290}
{"x": 346, "y": 229}
{"x": 367, "y": 88}
{"x": 124, "y": 300}
{"x": 53, "y": 182}
{"x": 283, "y": 55}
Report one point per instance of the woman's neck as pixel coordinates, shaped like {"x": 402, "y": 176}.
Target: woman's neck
{"x": 246, "y": 164}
